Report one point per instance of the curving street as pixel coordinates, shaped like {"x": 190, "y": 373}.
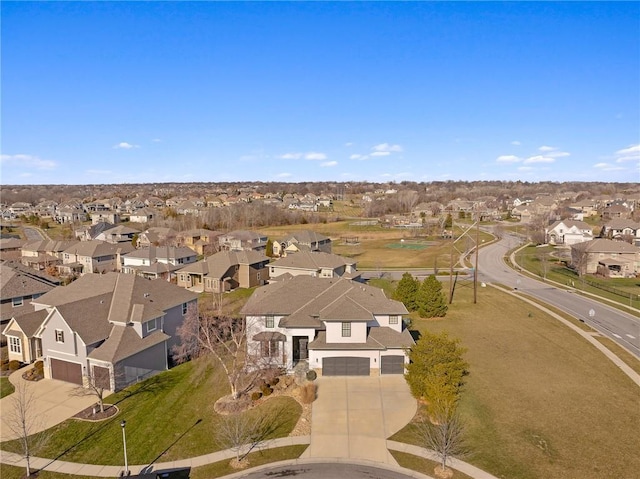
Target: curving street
{"x": 621, "y": 327}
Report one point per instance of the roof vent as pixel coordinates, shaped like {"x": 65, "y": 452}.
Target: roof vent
{"x": 146, "y": 295}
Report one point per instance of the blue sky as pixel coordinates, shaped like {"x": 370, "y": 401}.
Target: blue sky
{"x": 130, "y": 92}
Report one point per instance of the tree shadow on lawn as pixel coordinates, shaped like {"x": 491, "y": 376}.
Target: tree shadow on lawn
{"x": 149, "y": 468}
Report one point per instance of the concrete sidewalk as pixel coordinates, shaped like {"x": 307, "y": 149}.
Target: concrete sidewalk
{"x": 54, "y": 402}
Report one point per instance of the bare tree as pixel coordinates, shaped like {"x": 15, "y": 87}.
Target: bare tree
{"x": 244, "y": 432}
{"x": 543, "y": 259}
{"x": 224, "y": 338}
{"x": 25, "y": 424}
{"x": 96, "y": 382}
{"x": 443, "y": 432}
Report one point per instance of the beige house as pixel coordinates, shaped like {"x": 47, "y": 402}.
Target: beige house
{"x": 606, "y": 257}
{"x": 198, "y": 239}
{"x": 93, "y": 257}
{"x": 302, "y": 241}
{"x": 322, "y": 265}
{"x": 225, "y": 271}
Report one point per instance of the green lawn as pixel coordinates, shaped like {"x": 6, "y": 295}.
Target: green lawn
{"x": 217, "y": 469}
{"x": 6, "y": 387}
{"x": 540, "y": 401}
{"x": 169, "y": 417}
{"x": 422, "y": 465}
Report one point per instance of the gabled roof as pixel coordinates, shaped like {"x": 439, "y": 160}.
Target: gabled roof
{"x": 27, "y": 323}
{"x": 215, "y": 266}
{"x": 96, "y": 248}
{"x": 162, "y": 252}
{"x": 124, "y": 342}
{"x": 306, "y": 237}
{"x": 602, "y": 245}
{"x": 88, "y": 318}
{"x": 581, "y": 225}
{"x": 311, "y": 260}
{"x": 48, "y": 246}
{"x": 306, "y": 301}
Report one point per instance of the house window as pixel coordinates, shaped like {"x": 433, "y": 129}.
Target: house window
{"x": 393, "y": 319}
{"x": 15, "y": 346}
{"x": 269, "y": 349}
{"x": 270, "y": 321}
{"x": 17, "y": 301}
{"x": 346, "y": 330}
{"x": 59, "y": 336}
{"x": 258, "y": 276}
{"x": 184, "y": 308}
{"x": 151, "y": 325}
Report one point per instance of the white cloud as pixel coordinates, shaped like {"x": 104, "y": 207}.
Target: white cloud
{"x": 386, "y": 147}
{"x": 358, "y": 157}
{"x": 329, "y": 163}
{"x": 608, "y": 167}
{"x": 284, "y": 175}
{"x": 349, "y": 143}
{"x": 631, "y": 153}
{"x": 538, "y": 159}
{"x": 123, "y": 145}
{"x": 553, "y": 152}
{"x": 312, "y": 155}
{"x": 380, "y": 153}
{"x": 547, "y": 148}
{"x": 28, "y": 161}
{"x": 157, "y": 140}
{"x": 516, "y": 143}
{"x": 508, "y": 159}
{"x": 291, "y": 156}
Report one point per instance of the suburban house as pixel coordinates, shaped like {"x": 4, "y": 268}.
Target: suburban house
{"x": 340, "y": 327}
{"x": 44, "y": 253}
{"x": 105, "y": 217}
{"x": 93, "y": 257}
{"x": 606, "y": 257}
{"x": 242, "y": 240}
{"x": 322, "y": 265}
{"x": 19, "y": 285}
{"x": 199, "y": 239}
{"x": 11, "y": 248}
{"x": 112, "y": 329}
{"x": 117, "y": 234}
{"x": 302, "y": 241}
{"x": 568, "y": 232}
{"x": 70, "y": 214}
{"x": 224, "y": 271}
{"x": 156, "y": 262}
{"x": 143, "y": 215}
{"x": 622, "y": 229}
{"x": 157, "y": 236}
{"x": 88, "y": 233}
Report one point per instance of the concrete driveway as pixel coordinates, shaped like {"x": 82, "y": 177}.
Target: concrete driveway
{"x": 53, "y": 402}
{"x": 353, "y": 416}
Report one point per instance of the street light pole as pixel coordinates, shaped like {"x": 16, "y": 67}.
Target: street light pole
{"x": 124, "y": 444}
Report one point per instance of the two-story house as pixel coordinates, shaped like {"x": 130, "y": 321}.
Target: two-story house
{"x": 114, "y": 328}
{"x": 224, "y": 271}
{"x": 302, "y": 241}
{"x": 322, "y": 265}
{"x": 93, "y": 257}
{"x": 156, "y": 262}
{"x": 606, "y": 257}
{"x": 340, "y": 327}
{"x": 41, "y": 254}
{"x": 242, "y": 240}
{"x": 622, "y": 229}
{"x": 568, "y": 232}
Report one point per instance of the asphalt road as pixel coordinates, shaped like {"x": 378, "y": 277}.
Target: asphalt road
{"x": 328, "y": 470}
{"x": 621, "y": 327}
{"x": 33, "y": 234}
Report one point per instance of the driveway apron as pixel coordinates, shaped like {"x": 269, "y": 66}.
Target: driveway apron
{"x": 353, "y": 416}
{"x": 53, "y": 402}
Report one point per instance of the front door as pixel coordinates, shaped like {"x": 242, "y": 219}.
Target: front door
{"x": 300, "y": 350}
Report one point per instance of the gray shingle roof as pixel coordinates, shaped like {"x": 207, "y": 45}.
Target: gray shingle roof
{"x": 306, "y": 301}
{"x": 215, "y": 266}
{"x": 124, "y": 342}
{"x": 311, "y": 261}
{"x": 30, "y": 322}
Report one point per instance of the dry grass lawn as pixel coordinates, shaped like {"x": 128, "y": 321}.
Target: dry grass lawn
{"x": 540, "y": 401}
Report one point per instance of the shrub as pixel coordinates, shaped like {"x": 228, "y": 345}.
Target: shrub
{"x": 39, "y": 365}
{"x": 14, "y": 365}
{"x": 256, "y": 395}
{"x": 266, "y": 391}
{"x": 311, "y": 375}
{"x": 308, "y": 393}
{"x": 274, "y": 381}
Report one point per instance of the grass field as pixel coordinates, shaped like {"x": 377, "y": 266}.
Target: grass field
{"x": 422, "y": 465}
{"x": 169, "y": 417}
{"x": 540, "y": 401}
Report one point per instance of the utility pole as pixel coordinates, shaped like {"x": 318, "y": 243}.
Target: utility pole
{"x": 475, "y": 269}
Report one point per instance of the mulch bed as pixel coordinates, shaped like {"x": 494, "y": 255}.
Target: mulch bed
{"x": 87, "y": 414}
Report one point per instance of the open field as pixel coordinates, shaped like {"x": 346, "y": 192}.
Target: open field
{"x": 540, "y": 401}
{"x": 169, "y": 417}
{"x": 422, "y": 465}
